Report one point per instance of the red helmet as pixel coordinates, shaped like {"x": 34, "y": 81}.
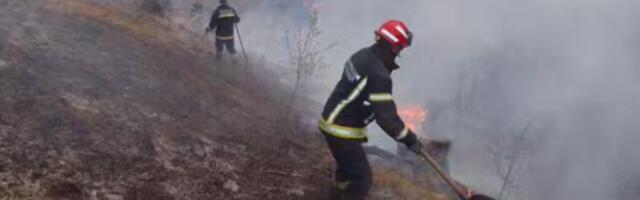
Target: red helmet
{"x": 396, "y": 33}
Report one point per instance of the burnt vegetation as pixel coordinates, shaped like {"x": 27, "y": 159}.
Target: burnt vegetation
{"x": 99, "y": 103}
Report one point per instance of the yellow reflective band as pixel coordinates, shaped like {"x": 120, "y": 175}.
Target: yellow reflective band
{"x": 224, "y": 37}
{"x": 343, "y": 185}
{"x": 226, "y": 15}
{"x": 356, "y": 91}
{"x": 380, "y": 97}
{"x": 403, "y": 133}
{"x": 342, "y": 131}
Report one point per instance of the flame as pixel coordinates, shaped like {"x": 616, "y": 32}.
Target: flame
{"x": 414, "y": 117}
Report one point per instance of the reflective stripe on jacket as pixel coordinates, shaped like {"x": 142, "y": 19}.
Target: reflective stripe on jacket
{"x": 342, "y": 131}
{"x": 363, "y": 95}
{"x": 223, "y": 21}
{"x": 225, "y": 37}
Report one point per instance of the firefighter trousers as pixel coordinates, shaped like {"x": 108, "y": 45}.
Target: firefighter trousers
{"x": 225, "y": 43}
{"x": 352, "y": 179}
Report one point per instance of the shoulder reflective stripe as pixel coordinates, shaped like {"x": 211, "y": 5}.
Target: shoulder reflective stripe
{"x": 225, "y": 37}
{"x": 380, "y": 97}
{"x": 356, "y": 91}
{"x": 342, "y": 131}
{"x": 403, "y": 133}
{"x": 350, "y": 71}
{"x": 226, "y": 13}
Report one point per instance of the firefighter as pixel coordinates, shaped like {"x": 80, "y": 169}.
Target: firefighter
{"x": 363, "y": 95}
{"x": 223, "y": 21}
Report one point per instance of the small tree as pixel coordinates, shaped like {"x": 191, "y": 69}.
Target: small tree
{"x": 507, "y": 153}
{"x": 306, "y": 56}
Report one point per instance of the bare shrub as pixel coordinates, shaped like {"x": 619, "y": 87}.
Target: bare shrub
{"x": 306, "y": 55}
{"x": 156, "y": 7}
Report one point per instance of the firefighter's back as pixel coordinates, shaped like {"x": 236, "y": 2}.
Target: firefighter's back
{"x": 226, "y": 19}
{"x": 348, "y": 105}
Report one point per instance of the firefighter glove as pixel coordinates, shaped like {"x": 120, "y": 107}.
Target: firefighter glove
{"x": 412, "y": 143}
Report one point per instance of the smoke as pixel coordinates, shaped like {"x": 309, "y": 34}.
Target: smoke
{"x": 488, "y": 67}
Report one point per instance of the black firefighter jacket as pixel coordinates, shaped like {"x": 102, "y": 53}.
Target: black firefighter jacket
{"x": 364, "y": 95}
{"x": 223, "y": 20}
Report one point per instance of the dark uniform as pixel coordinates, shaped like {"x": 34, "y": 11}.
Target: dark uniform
{"x": 363, "y": 95}
{"x": 223, "y": 21}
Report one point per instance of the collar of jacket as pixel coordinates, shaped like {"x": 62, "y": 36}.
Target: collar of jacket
{"x": 386, "y": 55}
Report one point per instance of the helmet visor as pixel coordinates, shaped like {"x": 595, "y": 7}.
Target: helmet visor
{"x": 409, "y": 38}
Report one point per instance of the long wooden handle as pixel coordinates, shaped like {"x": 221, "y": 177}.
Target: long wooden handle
{"x": 244, "y": 53}
{"x": 456, "y": 188}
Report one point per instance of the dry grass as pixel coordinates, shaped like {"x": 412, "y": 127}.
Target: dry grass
{"x": 398, "y": 186}
{"x": 150, "y": 29}
{"x": 145, "y": 27}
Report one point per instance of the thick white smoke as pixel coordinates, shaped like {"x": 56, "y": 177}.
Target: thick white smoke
{"x": 571, "y": 67}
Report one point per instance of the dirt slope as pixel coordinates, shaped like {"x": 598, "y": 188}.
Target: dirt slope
{"x": 96, "y": 103}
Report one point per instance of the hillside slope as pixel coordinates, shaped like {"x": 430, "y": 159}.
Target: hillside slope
{"x": 99, "y": 104}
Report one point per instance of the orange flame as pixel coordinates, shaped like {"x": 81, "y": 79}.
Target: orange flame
{"x": 414, "y": 117}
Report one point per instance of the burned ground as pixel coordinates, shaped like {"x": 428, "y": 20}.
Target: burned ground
{"x": 98, "y": 104}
